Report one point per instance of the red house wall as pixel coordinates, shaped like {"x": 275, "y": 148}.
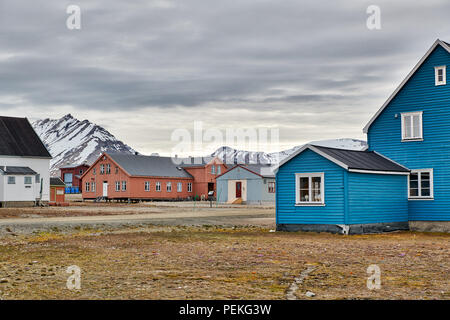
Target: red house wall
{"x": 54, "y": 197}
{"x": 203, "y": 176}
{"x": 76, "y": 182}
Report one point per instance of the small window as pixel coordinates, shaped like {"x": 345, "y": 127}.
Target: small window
{"x": 28, "y": 180}
{"x": 117, "y": 170}
{"x": 37, "y": 178}
{"x": 189, "y": 187}
{"x": 420, "y": 184}
{"x": 147, "y": 186}
{"x": 213, "y": 169}
{"x": 179, "y": 187}
{"x": 94, "y": 171}
{"x": 219, "y": 170}
{"x": 310, "y": 188}
{"x": 412, "y": 126}
{"x": 124, "y": 186}
{"x": 271, "y": 187}
{"x": 88, "y": 185}
{"x": 117, "y": 185}
{"x": 169, "y": 186}
{"x": 158, "y": 186}
{"x": 440, "y": 75}
{"x": 11, "y": 180}
{"x": 93, "y": 186}
{"x": 81, "y": 171}
{"x": 108, "y": 168}
{"x": 102, "y": 169}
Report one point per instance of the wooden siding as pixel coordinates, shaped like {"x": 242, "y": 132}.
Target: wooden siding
{"x": 286, "y": 210}
{"x": 384, "y": 135}
{"x": 376, "y": 198}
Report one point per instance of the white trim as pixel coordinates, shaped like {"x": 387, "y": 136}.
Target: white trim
{"x": 437, "y": 42}
{"x": 431, "y": 196}
{"x": 444, "y": 75}
{"x": 310, "y": 175}
{"x": 378, "y": 172}
{"x": 312, "y": 148}
{"x": 412, "y": 114}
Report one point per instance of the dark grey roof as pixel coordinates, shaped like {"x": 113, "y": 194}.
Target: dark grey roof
{"x": 195, "y": 161}
{"x": 57, "y": 182}
{"x": 149, "y": 166}
{"x": 264, "y": 170}
{"x": 362, "y": 160}
{"x": 18, "y": 138}
{"x": 17, "y": 170}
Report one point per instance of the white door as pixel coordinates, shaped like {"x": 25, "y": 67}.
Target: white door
{"x": 105, "y": 189}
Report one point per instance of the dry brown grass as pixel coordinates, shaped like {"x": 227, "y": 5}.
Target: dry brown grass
{"x": 214, "y": 263}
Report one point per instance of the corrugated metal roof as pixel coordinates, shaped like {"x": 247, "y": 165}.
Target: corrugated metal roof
{"x": 149, "y": 166}
{"x": 362, "y": 160}
{"x": 18, "y": 138}
{"x": 57, "y": 182}
{"x": 9, "y": 170}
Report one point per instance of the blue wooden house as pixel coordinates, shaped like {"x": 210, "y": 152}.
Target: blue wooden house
{"x": 400, "y": 182}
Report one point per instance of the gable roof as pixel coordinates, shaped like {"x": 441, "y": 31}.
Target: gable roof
{"x": 354, "y": 160}
{"x": 11, "y": 170}
{"x": 57, "y": 182}
{"x": 262, "y": 170}
{"x": 18, "y": 138}
{"x": 443, "y": 44}
{"x": 149, "y": 166}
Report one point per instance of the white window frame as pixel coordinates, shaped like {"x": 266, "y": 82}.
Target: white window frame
{"x": 158, "y": 186}
{"x": 124, "y": 185}
{"x": 147, "y": 186}
{"x": 169, "y": 186}
{"x": 108, "y": 168}
{"x": 219, "y": 170}
{"x": 102, "y": 169}
{"x": 29, "y": 179}
{"x": 117, "y": 186}
{"x": 179, "y": 187}
{"x": 93, "y": 186}
{"x": 419, "y": 182}
{"x": 11, "y": 180}
{"x": 412, "y": 114}
{"x": 213, "y": 169}
{"x": 87, "y": 187}
{"x": 269, "y": 185}
{"x": 311, "y": 175}
{"x": 444, "y": 74}
{"x": 189, "y": 187}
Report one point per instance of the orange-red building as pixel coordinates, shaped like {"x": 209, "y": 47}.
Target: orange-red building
{"x": 137, "y": 177}
{"x": 57, "y": 191}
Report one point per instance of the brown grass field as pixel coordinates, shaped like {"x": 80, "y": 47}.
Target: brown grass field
{"x": 215, "y": 263}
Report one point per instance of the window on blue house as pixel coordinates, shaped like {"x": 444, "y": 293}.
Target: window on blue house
{"x": 309, "y": 188}
{"x": 412, "y": 125}
{"x": 420, "y": 184}
{"x": 440, "y": 75}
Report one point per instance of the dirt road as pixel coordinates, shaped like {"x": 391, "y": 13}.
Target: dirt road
{"x": 121, "y": 216}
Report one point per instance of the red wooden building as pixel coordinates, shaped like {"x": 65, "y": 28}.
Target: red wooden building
{"x": 71, "y": 174}
{"x": 57, "y": 191}
{"x": 137, "y": 177}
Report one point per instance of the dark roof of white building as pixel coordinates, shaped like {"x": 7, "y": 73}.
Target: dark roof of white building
{"x": 11, "y": 170}
{"x": 149, "y": 166}
{"x": 18, "y": 138}
{"x": 55, "y": 181}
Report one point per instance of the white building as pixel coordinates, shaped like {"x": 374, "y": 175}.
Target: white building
{"x": 24, "y": 164}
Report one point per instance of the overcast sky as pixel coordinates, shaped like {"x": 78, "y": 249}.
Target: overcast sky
{"x": 144, "y": 68}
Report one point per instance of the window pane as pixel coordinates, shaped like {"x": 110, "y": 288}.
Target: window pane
{"x": 304, "y": 183}
{"x": 316, "y": 196}
{"x": 413, "y": 192}
{"x": 407, "y": 124}
{"x": 425, "y": 192}
{"x": 304, "y": 195}
{"x": 416, "y": 126}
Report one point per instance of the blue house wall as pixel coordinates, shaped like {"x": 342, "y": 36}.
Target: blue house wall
{"x": 384, "y": 135}
{"x": 308, "y": 161}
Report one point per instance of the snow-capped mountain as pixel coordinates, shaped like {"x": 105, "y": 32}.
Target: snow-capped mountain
{"x": 229, "y": 154}
{"x": 71, "y": 141}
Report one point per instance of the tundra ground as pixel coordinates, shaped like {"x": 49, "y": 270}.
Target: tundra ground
{"x": 173, "y": 262}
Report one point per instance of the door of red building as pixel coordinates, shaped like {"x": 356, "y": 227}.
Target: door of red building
{"x": 238, "y": 189}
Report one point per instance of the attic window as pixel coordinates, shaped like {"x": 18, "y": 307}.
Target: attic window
{"x": 440, "y": 75}
{"x": 412, "y": 126}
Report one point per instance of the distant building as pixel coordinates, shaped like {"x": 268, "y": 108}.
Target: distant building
{"x": 24, "y": 164}
{"x": 138, "y": 177}
{"x": 251, "y": 184}
{"x": 57, "y": 191}
{"x": 71, "y": 174}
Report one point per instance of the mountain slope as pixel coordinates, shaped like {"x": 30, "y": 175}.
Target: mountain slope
{"x": 71, "y": 141}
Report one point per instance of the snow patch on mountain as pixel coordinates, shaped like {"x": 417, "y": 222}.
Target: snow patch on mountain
{"x": 71, "y": 141}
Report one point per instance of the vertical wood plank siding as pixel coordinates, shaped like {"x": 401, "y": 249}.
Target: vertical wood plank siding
{"x": 384, "y": 135}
